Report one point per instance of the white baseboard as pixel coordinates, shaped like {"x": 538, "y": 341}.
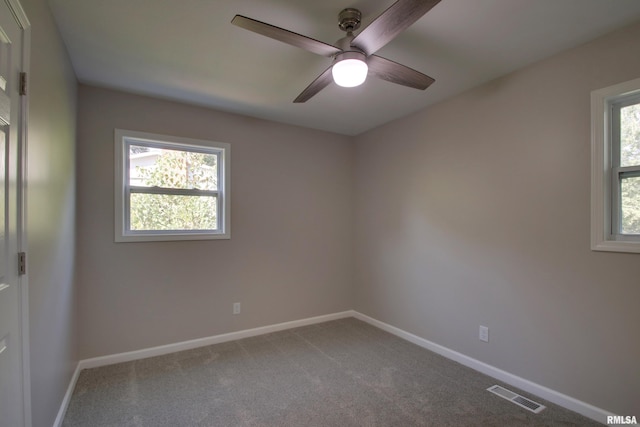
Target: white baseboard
{"x": 558, "y": 398}
{"x": 67, "y": 397}
{"x": 202, "y": 342}
{"x": 96, "y": 362}
{"x": 568, "y": 402}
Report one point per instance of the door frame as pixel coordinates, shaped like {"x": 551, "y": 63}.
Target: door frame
{"x": 21, "y": 186}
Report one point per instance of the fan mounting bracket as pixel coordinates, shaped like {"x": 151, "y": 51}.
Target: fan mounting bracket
{"x": 349, "y": 19}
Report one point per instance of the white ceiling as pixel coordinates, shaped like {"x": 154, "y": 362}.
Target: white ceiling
{"x": 188, "y": 50}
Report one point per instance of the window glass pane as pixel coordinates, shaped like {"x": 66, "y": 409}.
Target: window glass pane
{"x": 630, "y": 135}
{"x": 160, "y": 167}
{"x": 171, "y": 212}
{"x": 630, "y": 205}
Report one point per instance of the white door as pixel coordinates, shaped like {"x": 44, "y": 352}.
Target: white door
{"x": 11, "y": 339}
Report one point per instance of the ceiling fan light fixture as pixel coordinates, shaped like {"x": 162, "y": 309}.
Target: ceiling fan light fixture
{"x": 350, "y": 69}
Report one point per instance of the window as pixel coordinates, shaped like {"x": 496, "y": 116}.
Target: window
{"x": 170, "y": 188}
{"x": 615, "y": 168}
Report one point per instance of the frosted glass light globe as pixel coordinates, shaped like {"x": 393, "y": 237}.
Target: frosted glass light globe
{"x": 350, "y": 72}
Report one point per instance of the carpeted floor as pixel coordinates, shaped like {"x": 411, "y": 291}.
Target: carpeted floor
{"x": 340, "y": 373}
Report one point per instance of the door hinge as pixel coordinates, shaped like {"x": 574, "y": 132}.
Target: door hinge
{"x": 23, "y": 83}
{"x": 22, "y": 263}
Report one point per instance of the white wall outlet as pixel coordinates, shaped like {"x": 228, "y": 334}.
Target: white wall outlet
{"x": 484, "y": 333}
{"x": 236, "y": 308}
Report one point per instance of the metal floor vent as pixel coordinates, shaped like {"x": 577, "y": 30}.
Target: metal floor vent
{"x": 517, "y": 399}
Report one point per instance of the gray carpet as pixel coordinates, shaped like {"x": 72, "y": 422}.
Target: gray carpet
{"x": 339, "y": 373}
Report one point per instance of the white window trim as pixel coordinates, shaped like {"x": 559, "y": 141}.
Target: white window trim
{"x": 124, "y": 235}
{"x": 602, "y": 238}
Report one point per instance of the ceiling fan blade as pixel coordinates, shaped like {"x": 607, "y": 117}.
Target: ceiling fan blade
{"x": 393, "y": 72}
{"x": 322, "y": 81}
{"x": 397, "y": 18}
{"x": 285, "y": 36}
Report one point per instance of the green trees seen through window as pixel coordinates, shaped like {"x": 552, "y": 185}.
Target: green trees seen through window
{"x": 169, "y": 172}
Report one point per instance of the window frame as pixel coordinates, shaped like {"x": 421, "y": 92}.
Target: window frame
{"x": 606, "y": 172}
{"x": 123, "y": 189}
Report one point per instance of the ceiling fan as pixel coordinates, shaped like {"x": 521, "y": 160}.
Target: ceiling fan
{"x": 353, "y": 55}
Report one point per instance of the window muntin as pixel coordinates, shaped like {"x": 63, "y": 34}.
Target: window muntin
{"x": 170, "y": 188}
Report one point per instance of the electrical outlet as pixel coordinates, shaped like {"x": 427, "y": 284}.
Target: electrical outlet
{"x": 236, "y": 308}
{"x": 484, "y": 333}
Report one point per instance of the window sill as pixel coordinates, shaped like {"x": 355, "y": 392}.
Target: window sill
{"x": 170, "y": 237}
{"x": 616, "y": 246}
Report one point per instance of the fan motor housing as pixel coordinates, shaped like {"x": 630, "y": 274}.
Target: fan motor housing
{"x": 351, "y": 54}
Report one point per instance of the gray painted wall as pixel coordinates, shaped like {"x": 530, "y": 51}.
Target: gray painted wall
{"x": 50, "y": 218}
{"x": 485, "y": 221}
{"x": 290, "y": 255}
